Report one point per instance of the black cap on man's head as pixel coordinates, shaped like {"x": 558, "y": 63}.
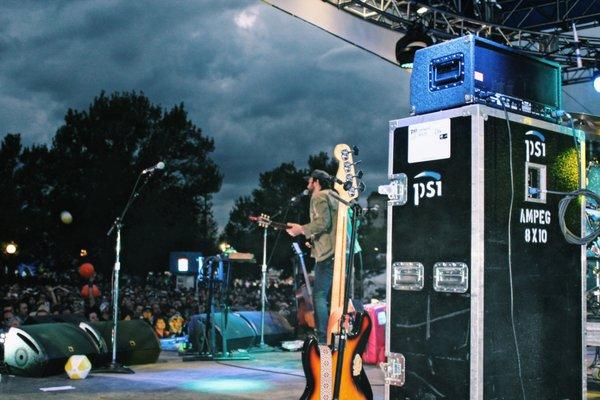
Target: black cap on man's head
{"x": 319, "y": 174}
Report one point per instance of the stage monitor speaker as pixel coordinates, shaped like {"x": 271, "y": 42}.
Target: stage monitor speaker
{"x": 277, "y": 328}
{"x": 96, "y": 336}
{"x": 240, "y": 334}
{"x": 43, "y": 349}
{"x": 136, "y": 341}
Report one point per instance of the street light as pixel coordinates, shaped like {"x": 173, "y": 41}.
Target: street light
{"x": 10, "y": 248}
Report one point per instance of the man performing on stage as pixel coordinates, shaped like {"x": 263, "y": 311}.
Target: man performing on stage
{"x": 321, "y": 234}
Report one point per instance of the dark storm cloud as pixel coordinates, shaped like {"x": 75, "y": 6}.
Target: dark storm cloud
{"x": 268, "y": 87}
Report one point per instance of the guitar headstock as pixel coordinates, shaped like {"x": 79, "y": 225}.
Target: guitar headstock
{"x": 347, "y": 182}
{"x": 263, "y": 220}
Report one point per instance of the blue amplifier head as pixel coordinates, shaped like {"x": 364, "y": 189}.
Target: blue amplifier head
{"x": 471, "y": 69}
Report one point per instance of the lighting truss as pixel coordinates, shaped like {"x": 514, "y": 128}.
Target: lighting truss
{"x": 541, "y": 28}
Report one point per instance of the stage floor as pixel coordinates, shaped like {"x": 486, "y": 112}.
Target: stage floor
{"x": 273, "y": 376}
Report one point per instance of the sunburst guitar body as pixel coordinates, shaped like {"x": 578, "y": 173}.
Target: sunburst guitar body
{"x": 354, "y": 384}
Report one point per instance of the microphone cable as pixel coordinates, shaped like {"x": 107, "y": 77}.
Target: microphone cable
{"x": 287, "y": 210}
{"x": 509, "y": 240}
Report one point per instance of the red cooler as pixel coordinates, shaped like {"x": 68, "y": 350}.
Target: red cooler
{"x": 375, "y": 350}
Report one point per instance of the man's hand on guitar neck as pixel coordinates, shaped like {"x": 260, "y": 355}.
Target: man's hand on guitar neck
{"x": 295, "y": 230}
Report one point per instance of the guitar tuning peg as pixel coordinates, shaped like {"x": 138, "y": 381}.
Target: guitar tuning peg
{"x": 359, "y": 175}
{"x": 355, "y": 150}
{"x": 361, "y": 186}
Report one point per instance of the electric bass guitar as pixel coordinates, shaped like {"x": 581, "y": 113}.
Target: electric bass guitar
{"x": 335, "y": 371}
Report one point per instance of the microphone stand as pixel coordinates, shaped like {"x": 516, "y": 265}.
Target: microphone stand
{"x": 262, "y": 346}
{"x": 114, "y": 366}
{"x": 263, "y": 295}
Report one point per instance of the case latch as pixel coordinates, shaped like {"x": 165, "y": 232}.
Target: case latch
{"x": 396, "y": 191}
{"x": 450, "y": 277}
{"x": 408, "y": 276}
{"x": 394, "y": 370}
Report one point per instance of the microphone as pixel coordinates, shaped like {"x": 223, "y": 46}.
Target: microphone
{"x": 297, "y": 198}
{"x": 159, "y": 165}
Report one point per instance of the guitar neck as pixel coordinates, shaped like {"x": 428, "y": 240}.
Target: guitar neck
{"x": 305, "y": 273}
{"x": 279, "y": 225}
{"x": 338, "y": 288}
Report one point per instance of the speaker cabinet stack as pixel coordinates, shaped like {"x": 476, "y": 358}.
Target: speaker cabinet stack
{"x": 486, "y": 298}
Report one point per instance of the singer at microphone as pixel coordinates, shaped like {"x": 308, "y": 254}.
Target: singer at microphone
{"x": 320, "y": 231}
{"x": 159, "y": 165}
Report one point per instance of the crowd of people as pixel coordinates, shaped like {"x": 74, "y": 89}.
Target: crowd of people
{"x": 154, "y": 298}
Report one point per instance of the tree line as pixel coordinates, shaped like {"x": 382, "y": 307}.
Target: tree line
{"x": 89, "y": 169}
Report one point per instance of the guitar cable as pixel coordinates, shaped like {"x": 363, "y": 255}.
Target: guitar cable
{"x": 509, "y": 240}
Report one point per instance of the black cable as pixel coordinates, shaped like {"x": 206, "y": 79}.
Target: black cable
{"x": 576, "y": 101}
{"x": 259, "y": 369}
{"x": 562, "y": 211}
{"x": 509, "y": 239}
{"x": 564, "y": 203}
{"x": 278, "y": 236}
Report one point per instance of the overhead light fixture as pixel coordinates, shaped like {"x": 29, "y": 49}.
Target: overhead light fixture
{"x": 415, "y": 39}
{"x": 597, "y": 82}
{"x": 422, "y": 10}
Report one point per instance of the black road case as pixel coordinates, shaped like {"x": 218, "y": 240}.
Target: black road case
{"x": 469, "y": 316}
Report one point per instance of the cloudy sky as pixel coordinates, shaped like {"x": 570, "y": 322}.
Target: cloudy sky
{"x": 267, "y": 87}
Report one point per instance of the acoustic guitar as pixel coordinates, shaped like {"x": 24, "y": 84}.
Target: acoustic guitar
{"x": 335, "y": 371}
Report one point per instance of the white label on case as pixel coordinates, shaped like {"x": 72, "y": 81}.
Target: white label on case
{"x": 478, "y": 76}
{"x": 429, "y": 141}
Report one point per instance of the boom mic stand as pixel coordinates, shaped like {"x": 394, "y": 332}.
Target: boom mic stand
{"x": 114, "y": 366}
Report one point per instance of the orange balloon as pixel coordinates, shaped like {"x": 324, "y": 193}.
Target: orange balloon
{"x": 85, "y": 291}
{"x": 86, "y": 270}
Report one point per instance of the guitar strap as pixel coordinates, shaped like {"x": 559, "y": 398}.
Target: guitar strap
{"x": 326, "y": 373}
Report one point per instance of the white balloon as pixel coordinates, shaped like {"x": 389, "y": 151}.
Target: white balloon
{"x": 66, "y": 217}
